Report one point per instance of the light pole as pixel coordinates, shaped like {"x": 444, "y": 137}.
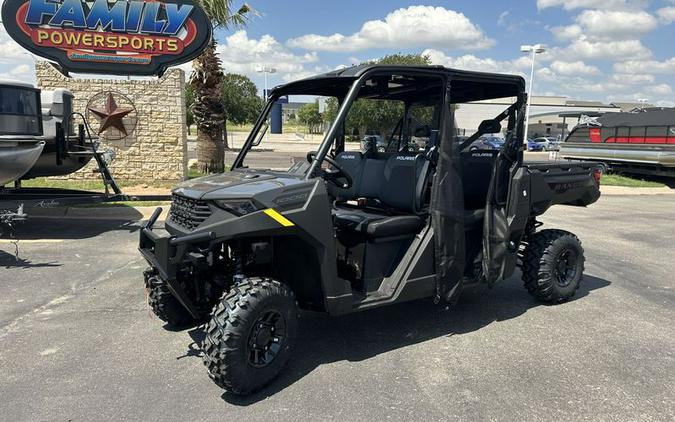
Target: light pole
{"x": 265, "y": 70}
{"x": 534, "y": 49}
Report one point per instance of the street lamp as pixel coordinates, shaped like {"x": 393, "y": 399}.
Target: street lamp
{"x": 534, "y": 49}
{"x": 265, "y": 70}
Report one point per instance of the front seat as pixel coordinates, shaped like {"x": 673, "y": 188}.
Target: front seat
{"x": 392, "y": 195}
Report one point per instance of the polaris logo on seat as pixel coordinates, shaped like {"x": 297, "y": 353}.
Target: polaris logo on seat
{"x": 405, "y": 157}
{"x": 348, "y": 157}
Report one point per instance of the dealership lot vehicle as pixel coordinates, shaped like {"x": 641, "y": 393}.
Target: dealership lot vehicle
{"x": 497, "y": 353}
{"x": 543, "y": 144}
{"x": 248, "y": 247}
{"x": 487, "y": 143}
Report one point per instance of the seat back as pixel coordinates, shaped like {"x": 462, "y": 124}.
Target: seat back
{"x": 477, "y": 169}
{"x": 390, "y": 178}
{"x": 353, "y": 162}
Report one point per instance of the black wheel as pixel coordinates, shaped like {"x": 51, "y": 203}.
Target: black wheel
{"x": 552, "y": 265}
{"x": 251, "y": 334}
{"x": 165, "y": 305}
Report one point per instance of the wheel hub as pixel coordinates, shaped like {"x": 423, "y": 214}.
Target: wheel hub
{"x": 266, "y": 338}
{"x": 565, "y": 268}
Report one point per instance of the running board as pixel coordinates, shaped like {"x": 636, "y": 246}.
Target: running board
{"x": 399, "y": 287}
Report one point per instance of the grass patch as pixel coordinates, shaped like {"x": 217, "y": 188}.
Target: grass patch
{"x": 193, "y": 173}
{"x": 91, "y": 185}
{"x": 628, "y": 181}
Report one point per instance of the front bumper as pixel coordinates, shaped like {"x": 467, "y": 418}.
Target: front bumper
{"x": 166, "y": 253}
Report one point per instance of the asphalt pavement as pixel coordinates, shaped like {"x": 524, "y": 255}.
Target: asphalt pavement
{"x": 78, "y": 342}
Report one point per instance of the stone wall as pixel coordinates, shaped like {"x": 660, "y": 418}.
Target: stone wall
{"x": 156, "y": 150}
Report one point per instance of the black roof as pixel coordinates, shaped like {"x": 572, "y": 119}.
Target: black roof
{"x": 470, "y": 85}
{"x": 644, "y": 117}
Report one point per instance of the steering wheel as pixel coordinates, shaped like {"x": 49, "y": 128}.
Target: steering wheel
{"x": 333, "y": 175}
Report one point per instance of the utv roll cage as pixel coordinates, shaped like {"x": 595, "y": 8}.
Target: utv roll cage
{"x": 350, "y": 83}
{"x": 447, "y": 209}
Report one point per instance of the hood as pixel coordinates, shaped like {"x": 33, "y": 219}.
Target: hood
{"x": 233, "y": 184}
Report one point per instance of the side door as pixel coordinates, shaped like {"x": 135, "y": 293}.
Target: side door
{"x": 508, "y": 202}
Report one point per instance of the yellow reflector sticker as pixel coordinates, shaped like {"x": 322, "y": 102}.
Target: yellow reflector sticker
{"x": 279, "y": 218}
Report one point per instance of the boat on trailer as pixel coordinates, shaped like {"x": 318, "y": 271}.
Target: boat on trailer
{"x": 37, "y": 134}
{"x": 20, "y": 130}
{"x": 641, "y": 141}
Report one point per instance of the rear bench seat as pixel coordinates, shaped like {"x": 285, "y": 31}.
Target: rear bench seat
{"x": 390, "y": 183}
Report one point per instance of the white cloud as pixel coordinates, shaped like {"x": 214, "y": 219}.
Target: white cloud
{"x": 633, "y": 79}
{"x": 592, "y": 4}
{"x": 661, "y": 89}
{"x": 573, "y": 68}
{"x": 565, "y": 33}
{"x": 666, "y": 14}
{"x": 615, "y": 24}
{"x": 645, "y": 66}
{"x": 584, "y": 48}
{"x": 241, "y": 54}
{"x": 416, "y": 26}
{"x": 502, "y": 20}
{"x": 15, "y": 62}
{"x": 471, "y": 62}
{"x": 21, "y": 72}
{"x": 11, "y": 51}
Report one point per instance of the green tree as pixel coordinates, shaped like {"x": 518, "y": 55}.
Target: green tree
{"x": 376, "y": 116}
{"x": 206, "y": 80}
{"x": 240, "y": 99}
{"x": 309, "y": 115}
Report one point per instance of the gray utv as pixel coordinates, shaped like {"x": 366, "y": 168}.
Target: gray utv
{"x": 346, "y": 231}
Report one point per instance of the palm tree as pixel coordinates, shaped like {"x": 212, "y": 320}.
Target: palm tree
{"x": 206, "y": 80}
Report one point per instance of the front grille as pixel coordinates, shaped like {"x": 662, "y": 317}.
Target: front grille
{"x": 188, "y": 213}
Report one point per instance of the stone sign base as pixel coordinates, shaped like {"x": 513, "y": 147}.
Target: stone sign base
{"x": 155, "y": 148}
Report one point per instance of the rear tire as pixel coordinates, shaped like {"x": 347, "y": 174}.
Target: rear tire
{"x": 251, "y": 334}
{"x": 165, "y": 305}
{"x": 552, "y": 264}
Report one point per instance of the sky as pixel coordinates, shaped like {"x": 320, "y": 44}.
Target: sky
{"x": 602, "y": 50}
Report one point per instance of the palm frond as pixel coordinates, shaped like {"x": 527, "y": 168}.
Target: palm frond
{"x": 221, "y": 13}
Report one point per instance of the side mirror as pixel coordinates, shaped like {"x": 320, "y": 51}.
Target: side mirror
{"x": 489, "y": 126}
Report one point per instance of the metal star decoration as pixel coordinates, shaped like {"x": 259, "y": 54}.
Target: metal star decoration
{"x": 111, "y": 115}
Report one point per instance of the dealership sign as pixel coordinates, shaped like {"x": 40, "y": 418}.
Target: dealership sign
{"x": 113, "y": 37}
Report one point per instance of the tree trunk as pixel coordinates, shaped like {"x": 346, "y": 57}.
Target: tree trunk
{"x": 210, "y": 153}
{"x": 208, "y": 111}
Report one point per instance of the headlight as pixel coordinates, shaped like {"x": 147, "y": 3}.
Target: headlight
{"x": 237, "y": 207}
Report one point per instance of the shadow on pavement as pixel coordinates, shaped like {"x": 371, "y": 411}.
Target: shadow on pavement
{"x": 67, "y": 228}
{"x": 8, "y": 260}
{"x": 363, "y": 335}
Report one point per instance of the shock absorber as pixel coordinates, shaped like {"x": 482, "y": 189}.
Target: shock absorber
{"x": 238, "y": 258}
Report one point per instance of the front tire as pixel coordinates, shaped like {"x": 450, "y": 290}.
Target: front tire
{"x": 552, "y": 265}
{"x": 165, "y": 305}
{"x": 251, "y": 334}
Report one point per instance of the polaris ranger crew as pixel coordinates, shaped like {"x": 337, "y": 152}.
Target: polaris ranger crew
{"x": 347, "y": 231}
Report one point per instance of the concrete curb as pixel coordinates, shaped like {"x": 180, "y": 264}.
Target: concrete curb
{"x": 143, "y": 213}
{"x": 624, "y": 190}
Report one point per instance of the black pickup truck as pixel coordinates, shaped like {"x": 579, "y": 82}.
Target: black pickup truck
{"x": 346, "y": 231}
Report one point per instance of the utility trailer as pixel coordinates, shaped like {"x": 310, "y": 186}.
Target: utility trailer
{"x": 349, "y": 231}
